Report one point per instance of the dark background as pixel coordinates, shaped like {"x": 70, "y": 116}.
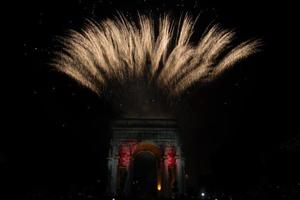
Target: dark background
{"x": 240, "y": 134}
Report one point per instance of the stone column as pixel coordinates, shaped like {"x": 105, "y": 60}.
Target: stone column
{"x": 165, "y": 174}
{"x": 114, "y": 175}
{"x": 110, "y": 164}
{"x": 179, "y": 174}
{"x": 113, "y": 169}
{"x": 183, "y": 173}
{"x": 179, "y": 170}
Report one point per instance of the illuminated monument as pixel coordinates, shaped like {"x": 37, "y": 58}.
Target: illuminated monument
{"x": 109, "y": 56}
{"x": 145, "y": 157}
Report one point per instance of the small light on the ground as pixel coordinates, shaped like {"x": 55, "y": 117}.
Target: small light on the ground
{"x": 158, "y": 187}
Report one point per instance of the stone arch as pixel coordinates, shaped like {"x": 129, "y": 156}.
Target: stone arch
{"x": 153, "y": 137}
{"x": 153, "y": 149}
{"x": 147, "y": 146}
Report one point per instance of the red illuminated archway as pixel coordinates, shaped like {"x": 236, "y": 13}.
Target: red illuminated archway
{"x": 156, "y": 152}
{"x": 145, "y": 146}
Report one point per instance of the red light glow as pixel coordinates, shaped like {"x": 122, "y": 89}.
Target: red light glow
{"x": 171, "y": 156}
{"x": 125, "y": 152}
{"x": 124, "y": 156}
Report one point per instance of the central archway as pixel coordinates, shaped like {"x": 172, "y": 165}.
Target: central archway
{"x": 144, "y": 175}
{"x": 145, "y": 170}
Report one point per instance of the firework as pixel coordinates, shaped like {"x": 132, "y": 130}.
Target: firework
{"x": 119, "y": 50}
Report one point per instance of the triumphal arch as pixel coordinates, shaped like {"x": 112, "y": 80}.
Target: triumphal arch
{"x": 145, "y": 158}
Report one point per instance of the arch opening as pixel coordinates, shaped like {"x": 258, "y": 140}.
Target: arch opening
{"x": 145, "y": 175}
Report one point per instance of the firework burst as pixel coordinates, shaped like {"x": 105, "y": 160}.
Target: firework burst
{"x": 119, "y": 51}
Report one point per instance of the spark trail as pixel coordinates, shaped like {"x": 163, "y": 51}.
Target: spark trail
{"x": 119, "y": 50}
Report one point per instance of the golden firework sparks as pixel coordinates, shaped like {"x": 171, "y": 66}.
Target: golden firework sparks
{"x": 121, "y": 50}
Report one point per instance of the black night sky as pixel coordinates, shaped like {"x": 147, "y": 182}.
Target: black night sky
{"x": 241, "y": 133}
